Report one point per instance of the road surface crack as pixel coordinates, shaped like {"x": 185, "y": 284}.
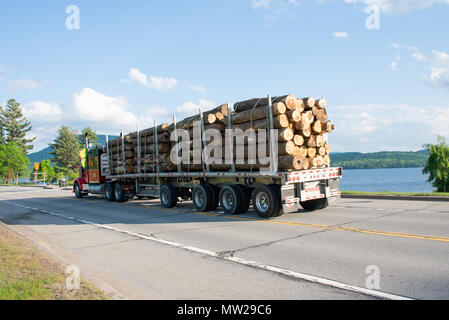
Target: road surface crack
{"x": 231, "y": 253}
{"x": 106, "y": 244}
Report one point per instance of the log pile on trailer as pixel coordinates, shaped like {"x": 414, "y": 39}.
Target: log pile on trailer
{"x": 302, "y": 125}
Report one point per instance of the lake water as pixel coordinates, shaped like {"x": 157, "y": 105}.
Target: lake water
{"x": 393, "y": 180}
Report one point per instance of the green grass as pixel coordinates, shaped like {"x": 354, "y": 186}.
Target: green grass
{"x": 29, "y": 289}
{"x": 388, "y": 193}
{"x": 26, "y": 273}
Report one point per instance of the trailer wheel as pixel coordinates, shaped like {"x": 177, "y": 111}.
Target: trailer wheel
{"x": 267, "y": 201}
{"x": 118, "y": 193}
{"x": 109, "y": 192}
{"x": 203, "y": 197}
{"x": 316, "y": 204}
{"x": 325, "y": 204}
{"x": 232, "y": 200}
{"x": 246, "y": 197}
{"x": 215, "y": 197}
{"x": 169, "y": 196}
{"x": 77, "y": 190}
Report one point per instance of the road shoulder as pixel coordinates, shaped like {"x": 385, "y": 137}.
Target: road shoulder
{"x": 29, "y": 273}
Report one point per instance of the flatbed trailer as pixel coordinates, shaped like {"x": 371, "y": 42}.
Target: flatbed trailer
{"x": 271, "y": 193}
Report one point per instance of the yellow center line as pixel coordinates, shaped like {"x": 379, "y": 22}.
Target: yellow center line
{"x": 327, "y": 227}
{"x": 296, "y": 224}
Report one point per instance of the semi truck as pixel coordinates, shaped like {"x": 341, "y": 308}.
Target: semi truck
{"x": 270, "y": 193}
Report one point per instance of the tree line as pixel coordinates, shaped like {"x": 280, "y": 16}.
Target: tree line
{"x": 379, "y": 160}
{"x": 16, "y": 143}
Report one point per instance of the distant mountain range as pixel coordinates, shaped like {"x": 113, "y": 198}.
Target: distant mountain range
{"x": 46, "y": 153}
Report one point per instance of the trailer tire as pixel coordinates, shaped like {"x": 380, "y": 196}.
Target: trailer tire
{"x": 109, "y": 192}
{"x": 267, "y": 201}
{"x": 325, "y": 204}
{"x": 313, "y": 205}
{"x": 168, "y": 196}
{"x": 246, "y": 198}
{"x": 232, "y": 199}
{"x": 278, "y": 189}
{"x": 202, "y": 197}
{"x": 77, "y": 190}
{"x": 119, "y": 195}
{"x": 215, "y": 197}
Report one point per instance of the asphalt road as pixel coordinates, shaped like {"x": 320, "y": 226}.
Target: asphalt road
{"x": 140, "y": 250}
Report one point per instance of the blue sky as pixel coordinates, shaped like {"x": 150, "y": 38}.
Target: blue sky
{"x": 140, "y": 61}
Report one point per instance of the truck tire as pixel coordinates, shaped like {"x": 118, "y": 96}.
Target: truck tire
{"x": 169, "y": 196}
{"x": 267, "y": 201}
{"x": 203, "y": 197}
{"x": 109, "y": 192}
{"x": 325, "y": 204}
{"x": 232, "y": 200}
{"x": 118, "y": 193}
{"x": 215, "y": 197}
{"x": 313, "y": 205}
{"x": 77, "y": 189}
{"x": 278, "y": 189}
{"x": 246, "y": 197}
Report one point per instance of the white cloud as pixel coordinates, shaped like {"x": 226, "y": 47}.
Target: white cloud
{"x": 162, "y": 84}
{"x": 402, "y": 46}
{"x": 261, "y": 3}
{"x": 440, "y": 57}
{"x": 340, "y": 34}
{"x": 274, "y": 8}
{"x": 106, "y": 114}
{"x": 418, "y": 57}
{"x": 16, "y": 85}
{"x": 159, "y": 84}
{"x": 136, "y": 75}
{"x": 395, "y": 63}
{"x": 438, "y": 77}
{"x": 158, "y": 114}
{"x": 101, "y": 111}
{"x": 398, "y": 6}
{"x": 199, "y": 89}
{"x": 44, "y": 136}
{"x": 190, "y": 108}
{"x": 42, "y": 112}
{"x": 393, "y": 66}
{"x": 368, "y": 128}
{"x": 438, "y": 64}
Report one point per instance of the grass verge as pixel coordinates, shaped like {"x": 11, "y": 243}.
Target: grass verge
{"x": 26, "y": 273}
{"x": 387, "y": 193}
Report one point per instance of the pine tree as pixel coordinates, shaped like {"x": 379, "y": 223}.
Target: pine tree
{"x": 91, "y": 135}
{"x": 16, "y": 126}
{"x": 66, "y": 149}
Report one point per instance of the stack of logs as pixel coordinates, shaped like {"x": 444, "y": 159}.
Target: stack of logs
{"x": 302, "y": 126}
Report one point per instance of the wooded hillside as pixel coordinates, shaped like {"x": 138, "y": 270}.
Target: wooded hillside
{"x": 378, "y": 160}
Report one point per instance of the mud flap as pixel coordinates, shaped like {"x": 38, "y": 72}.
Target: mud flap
{"x": 289, "y": 201}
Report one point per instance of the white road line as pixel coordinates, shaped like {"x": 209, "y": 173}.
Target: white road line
{"x": 284, "y": 272}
